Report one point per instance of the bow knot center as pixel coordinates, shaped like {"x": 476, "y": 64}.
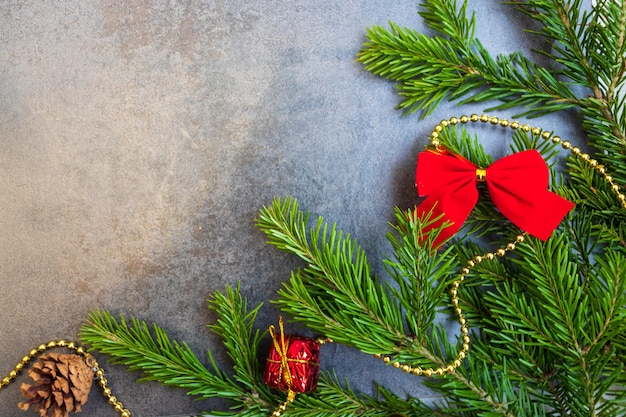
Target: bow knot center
{"x": 481, "y": 174}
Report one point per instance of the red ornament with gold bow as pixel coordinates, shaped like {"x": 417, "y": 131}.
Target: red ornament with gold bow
{"x": 292, "y": 365}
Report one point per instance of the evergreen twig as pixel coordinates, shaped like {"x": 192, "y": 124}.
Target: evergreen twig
{"x": 455, "y": 64}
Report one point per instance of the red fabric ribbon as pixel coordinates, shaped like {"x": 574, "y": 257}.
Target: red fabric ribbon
{"x": 517, "y": 184}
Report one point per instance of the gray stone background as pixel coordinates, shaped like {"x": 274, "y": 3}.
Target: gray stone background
{"x": 140, "y": 138}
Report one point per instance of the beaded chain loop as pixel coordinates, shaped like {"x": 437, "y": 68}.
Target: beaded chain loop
{"x": 91, "y": 361}
{"x": 489, "y": 256}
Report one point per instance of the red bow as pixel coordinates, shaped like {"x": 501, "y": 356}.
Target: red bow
{"x": 517, "y": 184}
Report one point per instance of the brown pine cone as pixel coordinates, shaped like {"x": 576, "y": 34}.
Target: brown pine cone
{"x": 62, "y": 384}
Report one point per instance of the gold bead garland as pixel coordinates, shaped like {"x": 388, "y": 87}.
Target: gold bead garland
{"x": 489, "y": 256}
{"x": 98, "y": 371}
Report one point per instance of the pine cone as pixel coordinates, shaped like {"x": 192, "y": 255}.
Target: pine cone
{"x": 62, "y": 384}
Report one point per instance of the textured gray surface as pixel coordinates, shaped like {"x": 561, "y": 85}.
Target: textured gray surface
{"x": 139, "y": 139}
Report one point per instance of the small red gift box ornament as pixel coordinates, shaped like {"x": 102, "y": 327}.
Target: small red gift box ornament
{"x": 292, "y": 364}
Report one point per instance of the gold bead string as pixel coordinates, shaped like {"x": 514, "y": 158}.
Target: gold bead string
{"x": 489, "y": 256}
{"x": 91, "y": 361}
{"x": 323, "y": 340}
{"x": 283, "y": 406}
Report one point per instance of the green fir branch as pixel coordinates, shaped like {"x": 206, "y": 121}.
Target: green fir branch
{"x": 338, "y": 276}
{"x": 430, "y": 69}
{"x": 160, "y": 359}
{"x": 235, "y": 326}
{"x": 335, "y": 294}
{"x": 541, "y": 324}
{"x": 327, "y": 304}
{"x": 516, "y": 326}
{"x": 149, "y": 350}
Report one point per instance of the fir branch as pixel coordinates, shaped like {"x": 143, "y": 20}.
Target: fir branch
{"x": 338, "y": 268}
{"x": 550, "y": 310}
{"x": 606, "y": 130}
{"x": 159, "y": 358}
{"x": 427, "y": 69}
{"x": 235, "y": 326}
{"x": 576, "y": 359}
{"x": 564, "y": 25}
{"x": 430, "y": 69}
{"x": 325, "y": 302}
{"x": 335, "y": 293}
{"x": 591, "y": 49}
{"x": 548, "y": 374}
{"x": 557, "y": 288}
{"x": 422, "y": 276}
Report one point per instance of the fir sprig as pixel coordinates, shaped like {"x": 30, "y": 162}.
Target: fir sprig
{"x": 451, "y": 66}
{"x": 137, "y": 346}
{"x": 149, "y": 349}
{"x": 336, "y": 295}
{"x": 328, "y": 304}
{"x": 590, "y": 48}
{"x": 535, "y": 323}
{"x": 336, "y": 278}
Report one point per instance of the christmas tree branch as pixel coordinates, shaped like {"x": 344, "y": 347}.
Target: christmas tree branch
{"x": 591, "y": 46}
{"x": 161, "y": 359}
{"x": 429, "y": 69}
{"x": 545, "y": 292}
{"x": 335, "y": 294}
{"x": 588, "y": 46}
{"x": 338, "y": 267}
{"x": 235, "y": 326}
{"x": 149, "y": 350}
{"x": 590, "y": 49}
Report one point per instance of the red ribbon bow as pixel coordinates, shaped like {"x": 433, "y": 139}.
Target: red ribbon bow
{"x": 517, "y": 184}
